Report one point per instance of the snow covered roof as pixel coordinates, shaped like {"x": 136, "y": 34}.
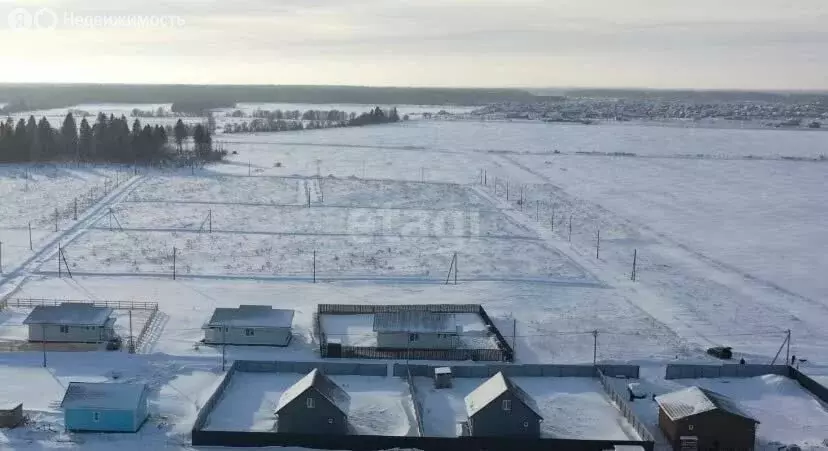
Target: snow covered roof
{"x": 251, "y": 316}
{"x": 102, "y": 395}
{"x": 415, "y": 321}
{"x": 442, "y": 370}
{"x": 323, "y": 385}
{"x": 69, "y": 314}
{"x": 695, "y": 400}
{"x": 490, "y": 390}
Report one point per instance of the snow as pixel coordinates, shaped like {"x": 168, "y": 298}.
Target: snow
{"x": 573, "y": 408}
{"x": 249, "y": 402}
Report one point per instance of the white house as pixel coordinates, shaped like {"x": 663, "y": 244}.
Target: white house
{"x": 249, "y": 325}
{"x": 71, "y": 322}
{"x": 414, "y": 329}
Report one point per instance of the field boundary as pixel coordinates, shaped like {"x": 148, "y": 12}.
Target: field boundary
{"x": 117, "y": 305}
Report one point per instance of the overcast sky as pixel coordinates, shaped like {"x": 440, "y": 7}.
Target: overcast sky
{"x": 742, "y": 44}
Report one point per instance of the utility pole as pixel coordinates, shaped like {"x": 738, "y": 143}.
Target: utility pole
{"x": 131, "y": 337}
{"x": 174, "y": 252}
{"x": 788, "y": 350}
{"x": 43, "y": 341}
{"x": 56, "y": 219}
{"x": 1, "y": 257}
{"x": 31, "y": 246}
{"x": 75, "y": 216}
{"x": 537, "y": 210}
{"x": 455, "y": 268}
{"x": 210, "y": 219}
{"x": 635, "y": 257}
{"x": 223, "y": 346}
{"x": 598, "y": 244}
{"x": 314, "y": 266}
{"x": 58, "y": 259}
{"x": 594, "y": 347}
{"x": 570, "y": 228}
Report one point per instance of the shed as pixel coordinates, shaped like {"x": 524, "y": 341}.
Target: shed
{"x": 104, "y": 407}
{"x": 705, "y": 418}
{"x": 498, "y": 407}
{"x": 249, "y": 325}
{"x": 416, "y": 329}
{"x": 11, "y": 414}
{"x": 313, "y": 405}
{"x": 442, "y": 377}
{"x": 71, "y": 322}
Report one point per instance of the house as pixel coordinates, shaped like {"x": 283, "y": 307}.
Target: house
{"x": 249, "y": 325}
{"x": 702, "y": 419}
{"x": 415, "y": 329}
{"x": 313, "y": 405}
{"x": 11, "y": 414}
{"x": 104, "y": 407}
{"x": 498, "y": 407}
{"x": 71, "y": 322}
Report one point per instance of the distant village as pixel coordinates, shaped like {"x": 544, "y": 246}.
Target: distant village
{"x": 806, "y": 115}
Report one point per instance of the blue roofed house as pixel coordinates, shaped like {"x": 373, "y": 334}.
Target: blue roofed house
{"x": 104, "y": 407}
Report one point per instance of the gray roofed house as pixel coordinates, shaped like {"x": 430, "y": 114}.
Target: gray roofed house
{"x": 416, "y": 329}
{"x": 313, "y": 405}
{"x": 249, "y": 325}
{"x": 705, "y": 419}
{"x": 499, "y": 407}
{"x": 71, "y": 322}
{"x": 104, "y": 407}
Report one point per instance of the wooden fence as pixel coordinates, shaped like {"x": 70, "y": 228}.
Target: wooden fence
{"x": 117, "y": 305}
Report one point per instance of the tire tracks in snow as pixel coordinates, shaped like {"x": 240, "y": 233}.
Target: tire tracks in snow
{"x": 15, "y": 278}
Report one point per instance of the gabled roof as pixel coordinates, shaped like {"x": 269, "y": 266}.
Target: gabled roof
{"x": 323, "y": 385}
{"x": 251, "y": 316}
{"x": 490, "y": 390}
{"x": 695, "y": 400}
{"x": 69, "y": 314}
{"x": 415, "y": 321}
{"x": 109, "y": 396}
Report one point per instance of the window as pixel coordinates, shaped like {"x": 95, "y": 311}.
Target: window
{"x": 96, "y": 416}
{"x": 64, "y": 329}
{"x": 690, "y": 427}
{"x": 330, "y": 420}
{"x": 248, "y": 332}
{"x": 526, "y": 424}
{"x": 310, "y": 403}
{"x": 413, "y": 337}
{"x": 507, "y": 404}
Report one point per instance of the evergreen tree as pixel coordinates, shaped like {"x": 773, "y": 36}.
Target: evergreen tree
{"x": 69, "y": 137}
{"x": 32, "y": 140}
{"x": 85, "y": 141}
{"x": 45, "y": 135}
{"x": 180, "y": 134}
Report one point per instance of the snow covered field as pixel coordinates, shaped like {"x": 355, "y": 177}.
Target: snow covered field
{"x": 572, "y": 408}
{"x": 379, "y": 405}
{"x": 729, "y": 250}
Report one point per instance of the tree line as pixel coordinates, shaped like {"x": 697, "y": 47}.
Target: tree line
{"x": 278, "y": 120}
{"x": 109, "y": 139}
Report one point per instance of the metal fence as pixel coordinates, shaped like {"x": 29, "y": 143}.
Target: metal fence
{"x": 415, "y": 401}
{"x": 625, "y": 408}
{"x": 118, "y": 305}
{"x": 526, "y": 370}
{"x": 817, "y": 389}
{"x": 502, "y": 353}
{"x": 382, "y": 442}
{"x": 329, "y": 368}
{"x": 692, "y": 371}
{"x": 142, "y": 336}
{"x": 210, "y": 404}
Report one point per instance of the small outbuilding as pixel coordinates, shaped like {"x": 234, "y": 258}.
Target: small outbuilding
{"x": 442, "y": 377}
{"x": 313, "y": 405}
{"x": 11, "y": 414}
{"x": 104, "y": 407}
{"x": 696, "y": 418}
{"x": 498, "y": 407}
{"x": 71, "y": 322}
{"x": 249, "y": 325}
{"x": 415, "y": 329}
